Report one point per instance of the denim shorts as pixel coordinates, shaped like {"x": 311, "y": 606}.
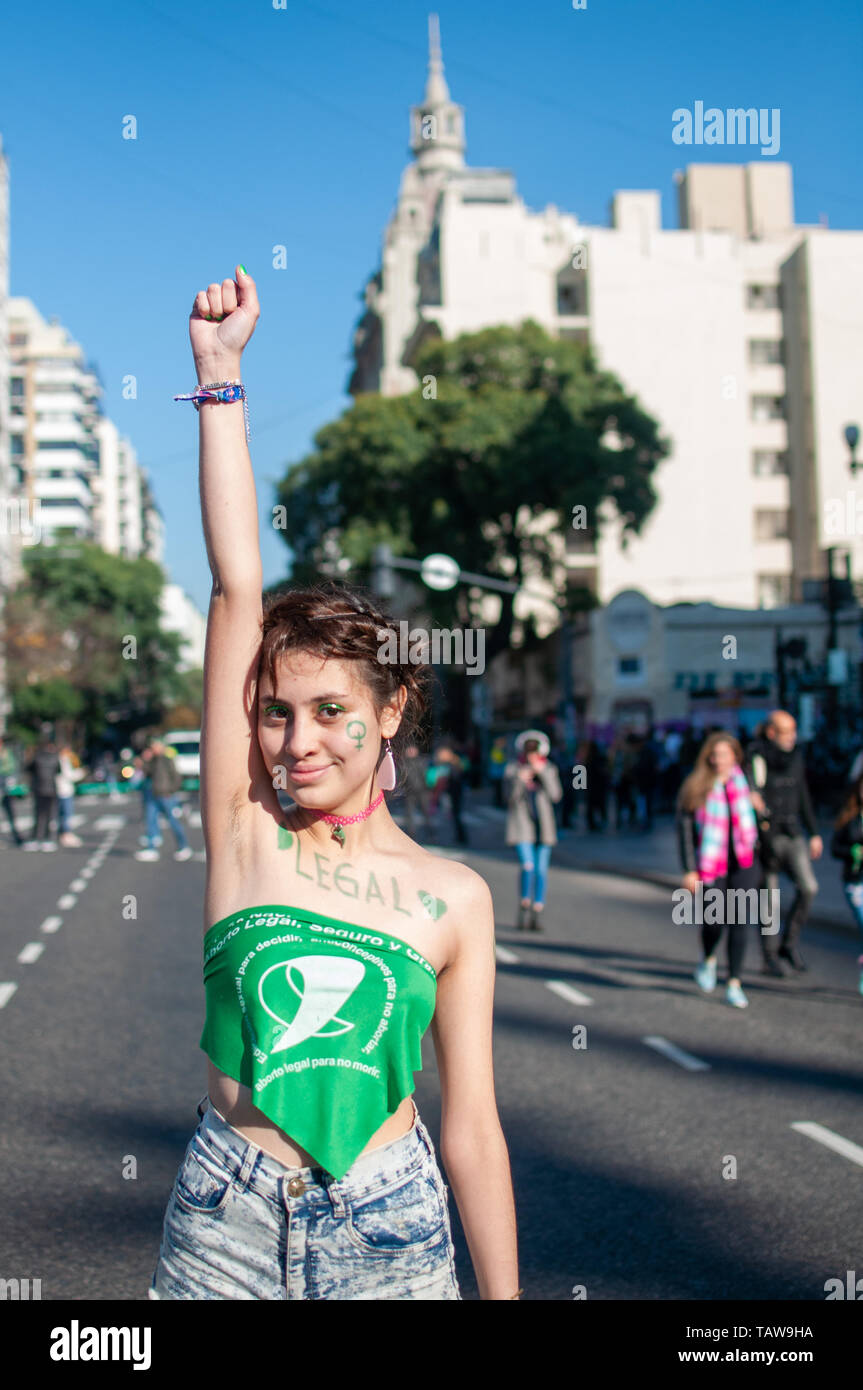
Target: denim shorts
{"x": 241, "y": 1225}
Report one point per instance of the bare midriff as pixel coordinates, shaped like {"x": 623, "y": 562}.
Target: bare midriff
{"x": 234, "y": 1102}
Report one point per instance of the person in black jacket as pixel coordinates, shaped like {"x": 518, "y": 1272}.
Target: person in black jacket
{"x": 775, "y": 771}
{"x": 847, "y": 845}
{"x": 43, "y": 768}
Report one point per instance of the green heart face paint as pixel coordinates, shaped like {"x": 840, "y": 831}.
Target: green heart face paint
{"x": 356, "y": 730}
{"x": 432, "y": 907}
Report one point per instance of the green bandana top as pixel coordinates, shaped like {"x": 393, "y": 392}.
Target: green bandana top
{"x": 321, "y": 1019}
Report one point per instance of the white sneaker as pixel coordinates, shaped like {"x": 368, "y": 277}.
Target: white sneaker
{"x": 31, "y": 845}
{"x": 48, "y": 846}
{"x": 183, "y": 853}
{"x": 147, "y": 855}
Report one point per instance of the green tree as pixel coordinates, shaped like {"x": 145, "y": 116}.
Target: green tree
{"x": 84, "y": 641}
{"x": 507, "y": 426}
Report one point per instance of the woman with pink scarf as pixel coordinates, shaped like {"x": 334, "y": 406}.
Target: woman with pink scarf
{"x": 718, "y": 831}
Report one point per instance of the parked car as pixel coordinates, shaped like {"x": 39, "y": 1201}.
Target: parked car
{"x": 186, "y": 744}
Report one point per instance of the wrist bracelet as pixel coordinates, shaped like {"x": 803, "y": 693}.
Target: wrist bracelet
{"x": 515, "y": 1295}
{"x": 225, "y": 391}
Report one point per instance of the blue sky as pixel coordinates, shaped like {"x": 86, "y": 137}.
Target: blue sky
{"x": 260, "y": 126}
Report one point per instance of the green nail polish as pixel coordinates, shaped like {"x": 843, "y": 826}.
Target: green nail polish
{"x": 243, "y": 269}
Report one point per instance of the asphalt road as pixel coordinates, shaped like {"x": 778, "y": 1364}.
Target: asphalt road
{"x": 618, "y": 1149}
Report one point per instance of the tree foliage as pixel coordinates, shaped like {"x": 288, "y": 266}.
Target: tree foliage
{"x": 507, "y": 426}
{"x": 84, "y": 641}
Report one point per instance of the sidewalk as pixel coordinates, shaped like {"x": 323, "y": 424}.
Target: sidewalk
{"x": 652, "y": 856}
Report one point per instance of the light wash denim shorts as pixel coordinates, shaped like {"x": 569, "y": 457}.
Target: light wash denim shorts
{"x": 241, "y": 1225}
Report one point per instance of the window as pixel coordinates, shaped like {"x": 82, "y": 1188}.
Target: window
{"x": 771, "y": 523}
{"x": 773, "y": 590}
{"x": 768, "y": 462}
{"x": 630, "y": 670}
{"x": 17, "y": 386}
{"x": 763, "y": 351}
{"x": 17, "y": 339}
{"x": 763, "y": 297}
{"x": 767, "y": 407}
{"x": 17, "y": 443}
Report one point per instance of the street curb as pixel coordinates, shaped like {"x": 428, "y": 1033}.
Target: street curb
{"x": 660, "y": 880}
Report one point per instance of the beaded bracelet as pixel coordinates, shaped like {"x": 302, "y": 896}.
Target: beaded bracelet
{"x": 226, "y": 391}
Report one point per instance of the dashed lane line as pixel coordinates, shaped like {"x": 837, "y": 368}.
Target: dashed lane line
{"x": 67, "y": 900}
{"x": 565, "y": 991}
{"x": 31, "y": 952}
{"x": 830, "y": 1140}
{"x": 7, "y": 989}
{"x": 506, "y": 956}
{"x": 677, "y": 1054}
{"x": 51, "y": 924}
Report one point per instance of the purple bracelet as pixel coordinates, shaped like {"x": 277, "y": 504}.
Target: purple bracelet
{"x": 226, "y": 391}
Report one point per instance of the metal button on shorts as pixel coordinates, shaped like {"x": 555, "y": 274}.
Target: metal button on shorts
{"x": 296, "y": 1187}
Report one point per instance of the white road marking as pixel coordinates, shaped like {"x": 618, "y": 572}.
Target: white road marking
{"x": 676, "y": 1054}
{"x": 200, "y": 855}
{"x": 31, "y": 952}
{"x": 6, "y": 991}
{"x": 612, "y": 973}
{"x": 87, "y": 871}
{"x": 78, "y": 885}
{"x": 51, "y": 924}
{"x": 195, "y": 818}
{"x": 75, "y": 821}
{"x": 574, "y": 996}
{"x": 830, "y": 1140}
{"x": 505, "y": 955}
{"x": 67, "y": 900}
{"x": 109, "y": 823}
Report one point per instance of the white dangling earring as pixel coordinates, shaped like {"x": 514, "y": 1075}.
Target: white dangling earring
{"x": 387, "y": 771}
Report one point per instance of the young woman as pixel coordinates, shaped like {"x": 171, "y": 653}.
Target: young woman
{"x": 717, "y": 833}
{"x": 847, "y": 845}
{"x": 531, "y": 788}
{"x": 332, "y": 940}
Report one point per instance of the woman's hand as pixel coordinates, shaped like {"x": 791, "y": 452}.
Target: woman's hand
{"x": 222, "y": 321}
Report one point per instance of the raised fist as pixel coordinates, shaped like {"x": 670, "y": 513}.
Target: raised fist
{"x": 223, "y": 319}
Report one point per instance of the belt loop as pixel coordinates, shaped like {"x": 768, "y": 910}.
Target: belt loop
{"x": 247, "y": 1164}
{"x": 334, "y": 1192}
{"x": 202, "y": 1105}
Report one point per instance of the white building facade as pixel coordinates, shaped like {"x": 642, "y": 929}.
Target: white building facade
{"x": 740, "y": 332}
{"x": 71, "y": 469}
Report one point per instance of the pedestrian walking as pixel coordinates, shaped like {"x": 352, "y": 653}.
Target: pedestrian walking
{"x": 623, "y": 778}
{"x": 415, "y": 790}
{"x": 777, "y": 777}
{"x": 164, "y": 780}
{"x": 311, "y": 1174}
{"x": 847, "y": 845}
{"x": 9, "y": 774}
{"x": 70, "y": 772}
{"x": 646, "y": 777}
{"x": 450, "y": 781}
{"x": 496, "y": 763}
{"x": 596, "y": 776}
{"x": 43, "y": 767}
{"x": 717, "y": 836}
{"x": 532, "y": 787}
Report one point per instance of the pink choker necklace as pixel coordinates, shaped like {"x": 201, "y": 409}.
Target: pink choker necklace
{"x": 338, "y": 821}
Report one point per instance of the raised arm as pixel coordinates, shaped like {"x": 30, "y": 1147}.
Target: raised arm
{"x": 221, "y": 323}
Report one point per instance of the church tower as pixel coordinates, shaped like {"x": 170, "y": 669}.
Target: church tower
{"x": 437, "y": 126}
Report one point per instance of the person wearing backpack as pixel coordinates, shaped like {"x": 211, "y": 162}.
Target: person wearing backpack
{"x": 165, "y": 782}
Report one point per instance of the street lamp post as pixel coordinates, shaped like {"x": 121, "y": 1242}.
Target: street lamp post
{"x": 852, "y": 438}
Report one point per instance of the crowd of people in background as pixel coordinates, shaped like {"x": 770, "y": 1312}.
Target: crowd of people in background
{"x": 742, "y": 806}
